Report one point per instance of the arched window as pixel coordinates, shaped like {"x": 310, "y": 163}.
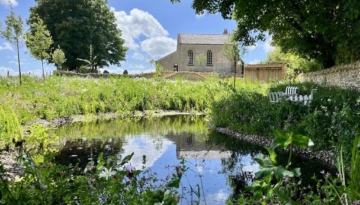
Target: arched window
{"x": 191, "y": 57}
{"x": 209, "y": 58}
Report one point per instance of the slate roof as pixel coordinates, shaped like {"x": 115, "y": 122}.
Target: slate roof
{"x": 214, "y": 39}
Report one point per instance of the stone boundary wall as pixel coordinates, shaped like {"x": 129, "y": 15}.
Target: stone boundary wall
{"x": 344, "y": 76}
{"x": 202, "y": 74}
{"x": 166, "y": 74}
{"x": 101, "y": 75}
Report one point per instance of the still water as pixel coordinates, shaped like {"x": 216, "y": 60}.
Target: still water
{"x": 220, "y": 165}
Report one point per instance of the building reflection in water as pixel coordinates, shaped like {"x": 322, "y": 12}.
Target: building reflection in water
{"x": 188, "y": 147}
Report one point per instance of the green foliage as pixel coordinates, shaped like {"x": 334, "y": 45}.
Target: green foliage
{"x": 295, "y": 64}
{"x": 90, "y": 64}
{"x": 330, "y": 120}
{"x": 14, "y": 33}
{"x": 76, "y": 25}
{"x": 269, "y": 186}
{"x": 10, "y": 127}
{"x": 39, "y": 41}
{"x": 308, "y": 29}
{"x": 231, "y": 49}
{"x": 159, "y": 71}
{"x": 108, "y": 129}
{"x": 200, "y": 59}
{"x": 354, "y": 185}
{"x": 104, "y": 181}
{"x": 67, "y": 96}
{"x": 58, "y": 57}
{"x": 277, "y": 184}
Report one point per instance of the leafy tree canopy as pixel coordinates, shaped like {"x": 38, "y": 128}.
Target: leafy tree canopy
{"x": 324, "y": 30}
{"x": 75, "y": 25}
{"x": 14, "y": 33}
{"x": 39, "y": 42}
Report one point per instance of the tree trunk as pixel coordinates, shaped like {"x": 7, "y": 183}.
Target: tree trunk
{"x": 42, "y": 65}
{"x": 18, "y": 53}
{"x": 234, "y": 72}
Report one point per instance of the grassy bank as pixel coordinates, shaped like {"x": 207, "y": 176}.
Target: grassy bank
{"x": 66, "y": 96}
{"x": 330, "y": 121}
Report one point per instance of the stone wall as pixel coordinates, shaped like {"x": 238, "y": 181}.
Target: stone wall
{"x": 166, "y": 74}
{"x": 168, "y": 61}
{"x": 343, "y": 76}
{"x": 220, "y": 63}
{"x": 101, "y": 75}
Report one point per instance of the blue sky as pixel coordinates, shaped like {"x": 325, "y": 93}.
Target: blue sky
{"x": 150, "y": 29}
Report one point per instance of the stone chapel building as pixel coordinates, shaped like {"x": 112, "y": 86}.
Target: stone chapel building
{"x": 190, "y": 46}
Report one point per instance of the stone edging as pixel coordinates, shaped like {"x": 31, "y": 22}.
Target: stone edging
{"x": 322, "y": 156}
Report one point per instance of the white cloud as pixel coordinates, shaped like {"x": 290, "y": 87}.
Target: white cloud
{"x": 3, "y": 71}
{"x": 142, "y": 71}
{"x": 137, "y": 56}
{"x": 137, "y": 23}
{"x": 7, "y": 46}
{"x": 267, "y": 45}
{"x": 6, "y": 2}
{"x": 141, "y": 146}
{"x": 251, "y": 48}
{"x": 159, "y": 46}
{"x": 219, "y": 197}
{"x": 16, "y": 62}
{"x": 199, "y": 16}
{"x": 254, "y": 61}
{"x": 137, "y": 66}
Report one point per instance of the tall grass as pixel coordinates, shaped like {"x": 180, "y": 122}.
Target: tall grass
{"x": 10, "y": 128}
{"x": 65, "y": 96}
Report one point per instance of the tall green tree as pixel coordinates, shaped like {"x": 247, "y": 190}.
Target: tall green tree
{"x": 14, "y": 33}
{"x": 324, "y": 30}
{"x": 295, "y": 64}
{"x": 75, "y": 25}
{"x": 39, "y": 42}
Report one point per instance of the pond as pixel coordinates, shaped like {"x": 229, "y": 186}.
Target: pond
{"x": 220, "y": 165}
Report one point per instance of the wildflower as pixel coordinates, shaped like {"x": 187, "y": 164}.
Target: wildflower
{"x": 179, "y": 171}
{"x": 356, "y": 202}
{"x": 89, "y": 169}
{"x": 322, "y": 172}
{"x": 107, "y": 173}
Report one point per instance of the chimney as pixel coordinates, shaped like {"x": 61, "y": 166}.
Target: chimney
{"x": 225, "y": 31}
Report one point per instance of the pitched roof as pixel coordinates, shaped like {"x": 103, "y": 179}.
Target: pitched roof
{"x": 203, "y": 38}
